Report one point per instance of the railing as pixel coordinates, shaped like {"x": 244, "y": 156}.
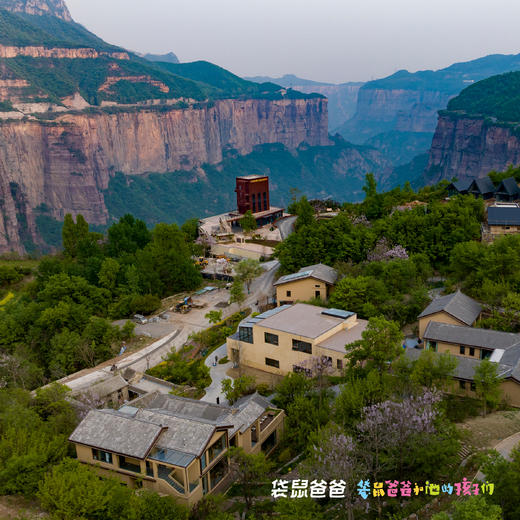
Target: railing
{"x": 164, "y": 474}
{"x": 128, "y": 466}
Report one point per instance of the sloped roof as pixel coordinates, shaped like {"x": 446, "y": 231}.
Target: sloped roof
{"x": 461, "y": 186}
{"x": 469, "y": 336}
{"x": 503, "y": 216}
{"x": 108, "y": 387}
{"x": 466, "y": 367}
{"x": 483, "y": 185}
{"x": 186, "y": 435}
{"x": 111, "y": 431}
{"x": 173, "y": 429}
{"x": 458, "y": 305}
{"x": 320, "y": 272}
{"x": 508, "y": 186}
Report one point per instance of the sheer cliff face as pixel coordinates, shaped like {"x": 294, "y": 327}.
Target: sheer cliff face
{"x": 413, "y": 111}
{"x": 65, "y": 164}
{"x": 470, "y": 148}
{"x": 38, "y": 7}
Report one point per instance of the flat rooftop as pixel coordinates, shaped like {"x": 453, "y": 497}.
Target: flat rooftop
{"x": 252, "y": 177}
{"x": 302, "y": 320}
{"x": 339, "y": 340}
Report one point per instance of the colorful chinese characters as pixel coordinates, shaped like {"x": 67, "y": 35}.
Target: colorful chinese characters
{"x": 395, "y": 489}
{"x": 300, "y": 488}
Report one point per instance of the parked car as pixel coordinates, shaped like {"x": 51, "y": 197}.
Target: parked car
{"x": 140, "y": 319}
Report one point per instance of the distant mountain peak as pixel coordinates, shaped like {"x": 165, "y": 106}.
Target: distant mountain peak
{"x": 170, "y": 57}
{"x": 56, "y": 8}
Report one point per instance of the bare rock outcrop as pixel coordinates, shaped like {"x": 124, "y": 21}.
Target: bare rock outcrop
{"x": 65, "y": 164}
{"x": 56, "y": 8}
{"x": 469, "y": 147}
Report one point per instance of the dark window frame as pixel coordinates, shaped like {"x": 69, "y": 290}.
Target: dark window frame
{"x": 462, "y": 350}
{"x": 246, "y": 334}
{"x": 272, "y": 339}
{"x": 101, "y": 456}
{"x": 272, "y": 362}
{"x": 472, "y": 351}
{"x": 302, "y": 346}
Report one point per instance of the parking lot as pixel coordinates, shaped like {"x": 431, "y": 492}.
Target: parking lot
{"x": 193, "y": 320}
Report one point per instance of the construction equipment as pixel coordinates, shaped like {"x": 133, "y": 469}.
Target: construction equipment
{"x": 184, "y": 306}
{"x": 201, "y": 262}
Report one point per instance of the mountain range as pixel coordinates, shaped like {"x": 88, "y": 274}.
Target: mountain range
{"x": 85, "y": 125}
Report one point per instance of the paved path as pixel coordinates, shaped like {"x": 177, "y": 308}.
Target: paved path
{"x": 286, "y": 226}
{"x": 504, "y": 448}
{"x": 218, "y": 373}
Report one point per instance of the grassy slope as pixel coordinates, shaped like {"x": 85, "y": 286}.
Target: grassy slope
{"x": 498, "y": 97}
{"x": 60, "y": 78}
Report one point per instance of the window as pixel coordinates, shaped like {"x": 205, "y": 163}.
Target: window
{"x": 301, "y": 346}
{"x": 339, "y": 364}
{"x": 217, "y": 448}
{"x": 289, "y": 293}
{"x": 265, "y": 201}
{"x": 485, "y": 354}
{"x": 149, "y": 468}
{"x": 129, "y": 464}
{"x": 102, "y": 456}
{"x": 473, "y": 387}
{"x": 319, "y": 286}
{"x": 203, "y": 462}
{"x": 272, "y": 339}
{"x": 432, "y": 345}
{"x": 462, "y": 385}
{"x": 245, "y": 334}
{"x": 471, "y": 351}
{"x": 462, "y": 350}
{"x": 272, "y": 362}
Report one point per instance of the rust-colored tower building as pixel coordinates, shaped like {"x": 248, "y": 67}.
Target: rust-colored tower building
{"x": 253, "y": 193}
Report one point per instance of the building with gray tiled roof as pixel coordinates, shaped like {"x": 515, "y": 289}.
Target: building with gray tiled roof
{"x": 174, "y": 445}
{"x": 455, "y": 308}
{"x": 313, "y": 281}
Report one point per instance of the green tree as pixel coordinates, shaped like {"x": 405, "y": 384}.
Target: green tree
{"x": 301, "y": 509}
{"x": 304, "y": 211}
{"x": 247, "y": 270}
{"x": 472, "y": 508}
{"x": 127, "y": 236}
{"x": 292, "y": 385}
{"x": 237, "y": 294}
{"x": 248, "y": 222}
{"x": 151, "y": 506}
{"x": 433, "y": 370}
{"x": 358, "y": 393}
{"x": 249, "y": 470}
{"x": 214, "y": 316}
{"x": 233, "y": 389}
{"x": 71, "y": 491}
{"x": 381, "y": 344}
{"x": 505, "y": 475}
{"x": 487, "y": 383}
{"x": 108, "y": 274}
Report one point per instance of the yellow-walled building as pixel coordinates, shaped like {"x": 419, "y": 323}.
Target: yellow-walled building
{"x": 445, "y": 327}
{"x": 454, "y": 309}
{"x": 176, "y": 446}
{"x": 284, "y": 339}
{"x": 314, "y": 281}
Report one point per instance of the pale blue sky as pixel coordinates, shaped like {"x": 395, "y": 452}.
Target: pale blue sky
{"x": 328, "y": 40}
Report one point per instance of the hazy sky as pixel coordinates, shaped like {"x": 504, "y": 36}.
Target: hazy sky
{"x": 326, "y": 40}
